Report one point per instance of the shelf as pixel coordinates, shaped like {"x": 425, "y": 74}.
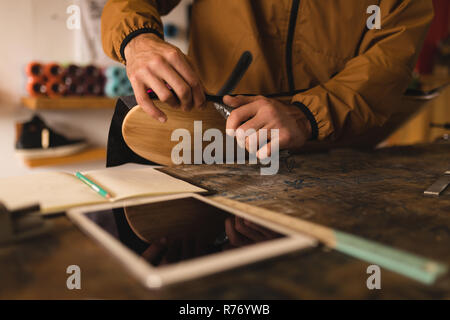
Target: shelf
{"x": 67, "y": 103}
{"x": 83, "y": 156}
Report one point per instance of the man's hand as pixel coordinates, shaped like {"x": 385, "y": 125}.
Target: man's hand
{"x": 263, "y": 113}
{"x": 153, "y": 63}
{"x": 241, "y": 232}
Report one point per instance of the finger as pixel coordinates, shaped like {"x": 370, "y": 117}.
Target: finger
{"x": 275, "y": 139}
{"x": 242, "y": 114}
{"x": 248, "y": 232}
{"x": 161, "y": 90}
{"x": 254, "y": 123}
{"x": 184, "y": 68}
{"x": 268, "y": 234}
{"x": 266, "y": 151}
{"x": 250, "y": 140}
{"x": 257, "y": 140}
{"x": 234, "y": 237}
{"x": 177, "y": 83}
{"x": 153, "y": 253}
{"x": 146, "y": 103}
{"x": 263, "y": 136}
{"x": 237, "y": 101}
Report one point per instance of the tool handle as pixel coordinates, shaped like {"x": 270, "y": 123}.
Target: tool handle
{"x": 238, "y": 72}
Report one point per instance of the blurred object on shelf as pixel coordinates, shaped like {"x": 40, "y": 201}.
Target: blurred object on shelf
{"x": 56, "y": 88}
{"x": 53, "y": 71}
{"x": 35, "y": 140}
{"x": 117, "y": 83}
{"x": 415, "y": 82}
{"x": 74, "y": 87}
{"x": 94, "y": 89}
{"x": 443, "y": 139}
{"x": 92, "y": 72}
{"x": 445, "y": 126}
{"x": 74, "y": 71}
{"x": 115, "y": 72}
{"x": 36, "y": 87}
{"x": 53, "y": 80}
{"x": 439, "y": 30}
{"x": 417, "y": 129}
{"x": 442, "y": 67}
{"x": 418, "y": 91}
{"x": 34, "y": 69}
{"x": 171, "y": 30}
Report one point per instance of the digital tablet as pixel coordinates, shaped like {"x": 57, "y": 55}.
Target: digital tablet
{"x": 168, "y": 239}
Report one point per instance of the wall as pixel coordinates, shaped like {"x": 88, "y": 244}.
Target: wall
{"x": 36, "y": 30}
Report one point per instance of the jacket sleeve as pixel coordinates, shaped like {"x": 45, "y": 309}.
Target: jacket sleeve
{"x": 361, "y": 95}
{"x": 122, "y": 20}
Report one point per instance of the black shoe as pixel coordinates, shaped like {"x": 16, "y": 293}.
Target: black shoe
{"x": 36, "y": 140}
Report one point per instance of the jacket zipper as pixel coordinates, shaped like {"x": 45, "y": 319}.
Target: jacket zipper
{"x": 289, "y": 42}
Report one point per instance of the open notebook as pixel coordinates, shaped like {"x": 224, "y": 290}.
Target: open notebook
{"x": 57, "y": 191}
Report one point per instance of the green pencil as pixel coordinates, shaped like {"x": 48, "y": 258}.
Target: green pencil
{"x": 93, "y": 185}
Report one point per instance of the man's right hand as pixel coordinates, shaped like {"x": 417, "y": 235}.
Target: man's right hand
{"x": 154, "y": 63}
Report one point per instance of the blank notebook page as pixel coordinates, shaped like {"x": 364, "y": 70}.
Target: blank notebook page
{"x": 56, "y": 191}
{"x": 52, "y": 190}
{"x": 123, "y": 184}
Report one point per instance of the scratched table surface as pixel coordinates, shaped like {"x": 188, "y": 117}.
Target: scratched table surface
{"x": 374, "y": 194}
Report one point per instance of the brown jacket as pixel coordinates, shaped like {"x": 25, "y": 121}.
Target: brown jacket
{"x": 350, "y": 78}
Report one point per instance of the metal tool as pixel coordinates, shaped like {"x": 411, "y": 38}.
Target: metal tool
{"x": 236, "y": 75}
{"x": 439, "y": 186}
{"x": 426, "y": 95}
{"x": 221, "y": 107}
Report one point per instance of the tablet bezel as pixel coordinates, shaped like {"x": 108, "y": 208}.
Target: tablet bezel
{"x": 156, "y": 277}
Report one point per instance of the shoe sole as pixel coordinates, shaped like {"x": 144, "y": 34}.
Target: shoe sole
{"x": 51, "y": 152}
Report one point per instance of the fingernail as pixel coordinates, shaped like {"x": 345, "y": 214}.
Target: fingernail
{"x": 252, "y": 146}
{"x": 240, "y": 142}
{"x": 262, "y": 154}
{"x": 162, "y": 119}
{"x": 230, "y": 132}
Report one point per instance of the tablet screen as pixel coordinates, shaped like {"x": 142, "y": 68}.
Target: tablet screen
{"x": 176, "y": 230}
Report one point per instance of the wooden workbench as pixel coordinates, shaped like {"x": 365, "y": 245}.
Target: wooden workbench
{"x": 374, "y": 194}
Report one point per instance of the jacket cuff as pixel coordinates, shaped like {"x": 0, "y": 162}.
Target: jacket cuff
{"x": 311, "y": 119}
{"x": 318, "y": 111}
{"x": 134, "y": 34}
